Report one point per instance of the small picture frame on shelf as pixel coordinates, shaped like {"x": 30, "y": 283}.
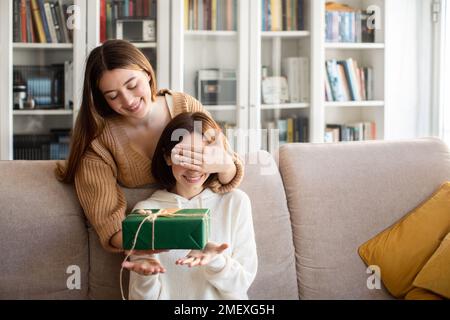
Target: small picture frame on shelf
{"x": 275, "y": 90}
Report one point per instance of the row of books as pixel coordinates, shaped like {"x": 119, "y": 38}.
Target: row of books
{"x": 54, "y": 146}
{"x": 111, "y": 10}
{"x": 50, "y": 87}
{"x": 39, "y": 21}
{"x": 210, "y": 15}
{"x": 359, "y": 131}
{"x": 346, "y": 24}
{"x": 345, "y": 81}
{"x": 291, "y": 129}
{"x": 282, "y": 15}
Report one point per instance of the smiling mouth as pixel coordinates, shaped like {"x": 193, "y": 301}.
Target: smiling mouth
{"x": 193, "y": 179}
{"x": 136, "y": 107}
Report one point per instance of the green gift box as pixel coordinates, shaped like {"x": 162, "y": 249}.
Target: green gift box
{"x": 170, "y": 229}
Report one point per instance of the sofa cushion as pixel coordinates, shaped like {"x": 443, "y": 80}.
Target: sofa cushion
{"x": 403, "y": 249}
{"x": 340, "y": 195}
{"x": 435, "y": 275}
{"x": 42, "y": 234}
{"x": 276, "y": 276}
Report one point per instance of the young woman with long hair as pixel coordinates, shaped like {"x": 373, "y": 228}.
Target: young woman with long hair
{"x": 120, "y": 120}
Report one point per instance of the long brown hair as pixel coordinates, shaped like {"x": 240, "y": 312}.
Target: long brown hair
{"x": 185, "y": 121}
{"x": 113, "y": 54}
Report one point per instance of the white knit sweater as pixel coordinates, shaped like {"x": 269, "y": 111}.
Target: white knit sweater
{"x": 229, "y": 275}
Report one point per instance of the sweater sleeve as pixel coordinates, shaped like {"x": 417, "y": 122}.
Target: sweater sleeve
{"x": 101, "y": 198}
{"x": 233, "y": 274}
{"x": 193, "y": 105}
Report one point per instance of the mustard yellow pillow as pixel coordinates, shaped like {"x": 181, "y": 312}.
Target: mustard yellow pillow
{"x": 421, "y": 294}
{"x": 435, "y": 275}
{"x": 402, "y": 250}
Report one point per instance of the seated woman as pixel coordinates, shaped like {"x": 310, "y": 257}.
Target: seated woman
{"x": 227, "y": 266}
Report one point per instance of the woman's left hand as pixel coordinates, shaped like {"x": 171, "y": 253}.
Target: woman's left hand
{"x": 211, "y": 158}
{"x": 202, "y": 257}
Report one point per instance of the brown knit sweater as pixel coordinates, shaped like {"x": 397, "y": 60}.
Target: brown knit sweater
{"x": 111, "y": 160}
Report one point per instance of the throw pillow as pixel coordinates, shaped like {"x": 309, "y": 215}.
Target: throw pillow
{"x": 402, "y": 250}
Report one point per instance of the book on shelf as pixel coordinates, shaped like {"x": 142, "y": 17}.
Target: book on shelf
{"x": 296, "y": 70}
{"x": 282, "y": 15}
{"x": 344, "y": 23}
{"x": 358, "y": 131}
{"x": 211, "y": 15}
{"x": 345, "y": 81}
{"x": 39, "y": 21}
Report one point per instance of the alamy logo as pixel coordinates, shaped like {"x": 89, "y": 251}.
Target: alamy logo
{"x": 374, "y": 19}
{"x": 74, "y": 280}
{"x": 73, "y": 20}
{"x": 374, "y": 280}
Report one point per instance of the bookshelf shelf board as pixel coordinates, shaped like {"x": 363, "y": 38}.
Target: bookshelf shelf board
{"x": 221, "y": 108}
{"x": 33, "y": 46}
{"x": 353, "y": 46}
{"x": 285, "y": 106}
{"x": 209, "y": 33}
{"x": 42, "y": 112}
{"x": 144, "y": 45}
{"x": 285, "y": 34}
{"x": 351, "y": 104}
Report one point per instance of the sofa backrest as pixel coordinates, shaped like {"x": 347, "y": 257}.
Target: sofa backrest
{"x": 43, "y": 235}
{"x": 341, "y": 195}
{"x": 276, "y": 276}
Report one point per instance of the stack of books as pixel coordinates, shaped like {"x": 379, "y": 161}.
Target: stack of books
{"x": 39, "y": 21}
{"x": 347, "y": 24}
{"x": 345, "y": 81}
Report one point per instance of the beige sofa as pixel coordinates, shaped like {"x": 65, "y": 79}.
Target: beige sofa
{"x": 310, "y": 217}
